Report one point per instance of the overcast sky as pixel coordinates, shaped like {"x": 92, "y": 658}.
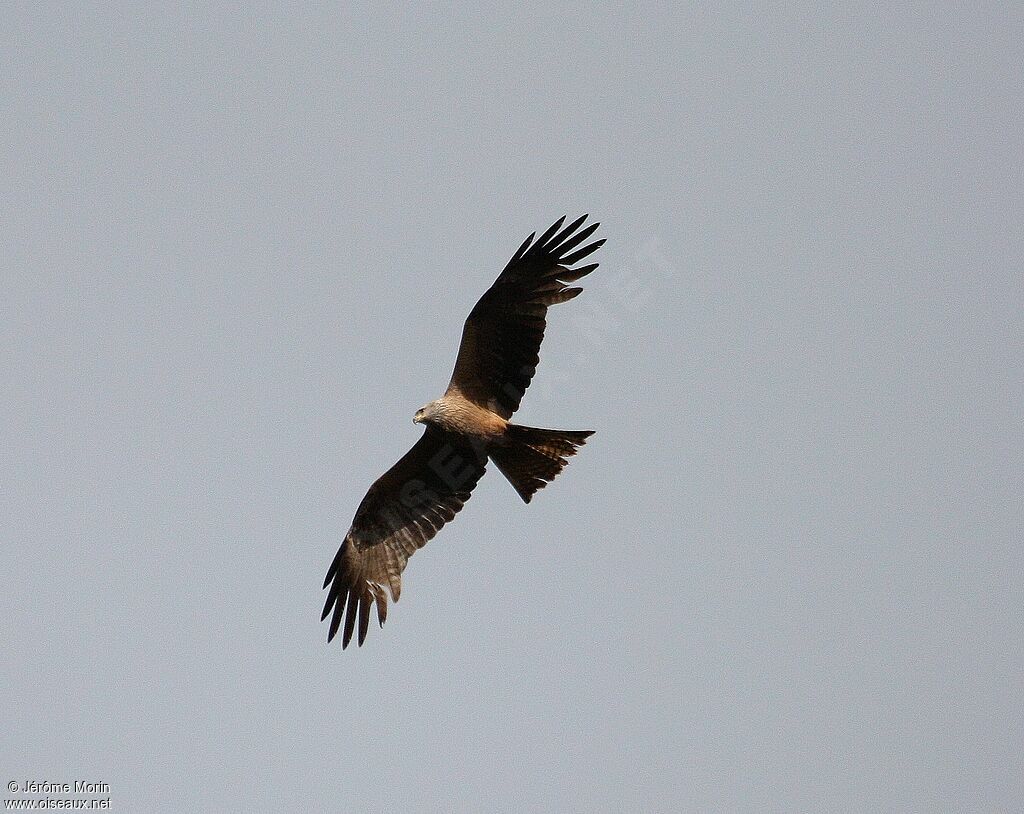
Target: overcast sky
{"x": 237, "y": 248}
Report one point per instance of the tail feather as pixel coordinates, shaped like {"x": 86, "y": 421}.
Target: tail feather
{"x": 532, "y": 458}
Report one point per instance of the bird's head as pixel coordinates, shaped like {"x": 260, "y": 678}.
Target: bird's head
{"x": 423, "y": 413}
{"x": 433, "y": 411}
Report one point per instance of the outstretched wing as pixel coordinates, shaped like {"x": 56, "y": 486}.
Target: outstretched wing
{"x": 403, "y": 509}
{"x": 501, "y": 339}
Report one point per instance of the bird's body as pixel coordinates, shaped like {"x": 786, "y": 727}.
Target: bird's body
{"x": 465, "y": 428}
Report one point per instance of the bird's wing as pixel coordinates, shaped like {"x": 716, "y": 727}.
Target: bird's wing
{"x": 501, "y": 339}
{"x": 403, "y": 509}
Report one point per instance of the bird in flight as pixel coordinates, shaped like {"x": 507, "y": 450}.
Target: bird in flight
{"x": 465, "y": 428}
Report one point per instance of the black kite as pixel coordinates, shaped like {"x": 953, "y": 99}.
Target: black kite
{"x": 469, "y": 424}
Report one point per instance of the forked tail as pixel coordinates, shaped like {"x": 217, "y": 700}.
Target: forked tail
{"x": 532, "y": 458}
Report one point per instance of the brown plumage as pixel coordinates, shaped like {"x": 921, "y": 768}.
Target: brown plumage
{"x": 468, "y": 425}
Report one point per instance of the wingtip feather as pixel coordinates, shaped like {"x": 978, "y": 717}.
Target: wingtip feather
{"x": 554, "y": 227}
{"x": 522, "y": 249}
{"x": 339, "y": 607}
{"x": 350, "y": 620}
{"x": 558, "y": 239}
{"x": 364, "y": 618}
{"x": 574, "y": 240}
{"x": 578, "y": 255}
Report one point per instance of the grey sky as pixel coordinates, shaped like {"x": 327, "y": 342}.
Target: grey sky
{"x": 237, "y": 251}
